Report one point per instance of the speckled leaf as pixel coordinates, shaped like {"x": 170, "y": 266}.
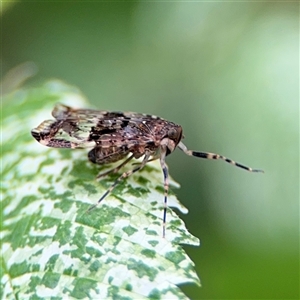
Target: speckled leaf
{"x": 52, "y": 247}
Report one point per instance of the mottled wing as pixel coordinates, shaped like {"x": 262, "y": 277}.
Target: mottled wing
{"x": 82, "y": 128}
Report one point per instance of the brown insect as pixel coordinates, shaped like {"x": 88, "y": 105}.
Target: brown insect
{"x": 115, "y": 136}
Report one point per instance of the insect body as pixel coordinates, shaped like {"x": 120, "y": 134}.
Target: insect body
{"x": 115, "y": 136}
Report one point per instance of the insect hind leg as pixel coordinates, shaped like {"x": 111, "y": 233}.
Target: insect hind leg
{"x": 116, "y": 169}
{"x": 120, "y": 178}
{"x": 209, "y": 155}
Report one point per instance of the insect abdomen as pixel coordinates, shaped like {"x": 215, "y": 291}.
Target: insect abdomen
{"x": 99, "y": 155}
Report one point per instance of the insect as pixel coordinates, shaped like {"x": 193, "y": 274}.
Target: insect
{"x": 116, "y": 136}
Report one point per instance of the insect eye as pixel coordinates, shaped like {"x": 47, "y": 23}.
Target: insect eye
{"x": 175, "y": 134}
{"x": 172, "y": 134}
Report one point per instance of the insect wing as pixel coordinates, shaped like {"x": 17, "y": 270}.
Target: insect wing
{"x": 71, "y": 129}
{"x": 84, "y": 128}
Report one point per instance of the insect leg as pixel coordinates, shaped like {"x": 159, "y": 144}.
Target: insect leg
{"x": 166, "y": 188}
{"x": 123, "y": 176}
{"x": 208, "y": 155}
{"x": 115, "y": 170}
{"x": 152, "y": 159}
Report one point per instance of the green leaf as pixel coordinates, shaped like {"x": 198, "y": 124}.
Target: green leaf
{"x": 52, "y": 247}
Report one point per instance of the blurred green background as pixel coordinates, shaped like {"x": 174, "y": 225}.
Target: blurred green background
{"x": 229, "y": 74}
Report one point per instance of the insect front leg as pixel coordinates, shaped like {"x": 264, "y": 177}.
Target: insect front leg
{"x": 166, "y": 188}
{"x": 122, "y": 177}
{"x": 208, "y": 155}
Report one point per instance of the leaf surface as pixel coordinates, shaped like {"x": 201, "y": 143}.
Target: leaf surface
{"x": 52, "y": 247}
